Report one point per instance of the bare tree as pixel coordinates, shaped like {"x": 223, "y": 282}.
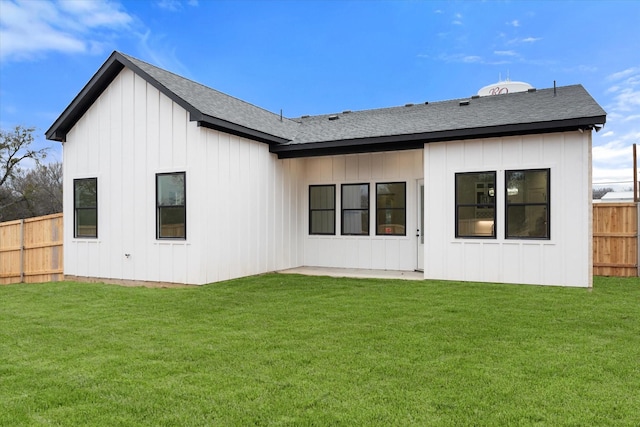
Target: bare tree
{"x": 15, "y": 147}
{"x": 599, "y": 192}
{"x": 39, "y": 190}
{"x": 27, "y": 192}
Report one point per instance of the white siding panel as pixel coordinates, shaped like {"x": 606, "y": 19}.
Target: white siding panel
{"x": 374, "y": 252}
{"x": 339, "y": 169}
{"x": 473, "y": 260}
{"x": 128, "y": 217}
{"x": 364, "y": 250}
{"x": 562, "y": 260}
{"x": 114, "y": 180}
{"x": 124, "y": 139}
{"x": 364, "y": 168}
{"x": 179, "y": 120}
{"x": 512, "y": 260}
{"x": 491, "y": 262}
{"x": 142, "y": 210}
{"x": 165, "y": 134}
{"x": 531, "y": 262}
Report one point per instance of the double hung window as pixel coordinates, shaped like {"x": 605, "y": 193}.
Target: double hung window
{"x": 355, "y": 209}
{"x": 322, "y": 209}
{"x": 85, "y": 207}
{"x": 527, "y": 204}
{"x": 391, "y": 212}
{"x": 476, "y": 204}
{"x": 171, "y": 208}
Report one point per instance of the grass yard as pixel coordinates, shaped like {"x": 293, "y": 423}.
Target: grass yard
{"x": 296, "y": 350}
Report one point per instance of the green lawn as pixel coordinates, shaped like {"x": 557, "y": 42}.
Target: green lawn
{"x": 296, "y": 350}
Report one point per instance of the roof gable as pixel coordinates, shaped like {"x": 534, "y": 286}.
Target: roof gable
{"x": 207, "y": 106}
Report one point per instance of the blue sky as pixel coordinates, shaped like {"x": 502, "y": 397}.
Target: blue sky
{"x": 316, "y": 57}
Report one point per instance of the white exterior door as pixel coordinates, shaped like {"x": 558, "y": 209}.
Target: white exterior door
{"x": 420, "y": 230}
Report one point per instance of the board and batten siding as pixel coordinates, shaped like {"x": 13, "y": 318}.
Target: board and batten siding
{"x": 565, "y": 259}
{"x": 242, "y": 202}
{"x": 372, "y": 251}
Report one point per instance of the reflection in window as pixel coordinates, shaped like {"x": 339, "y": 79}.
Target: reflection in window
{"x": 322, "y": 209}
{"x": 527, "y": 206}
{"x": 476, "y": 204}
{"x": 355, "y": 209}
{"x": 391, "y": 213}
{"x": 85, "y": 207}
{"x": 171, "y": 216}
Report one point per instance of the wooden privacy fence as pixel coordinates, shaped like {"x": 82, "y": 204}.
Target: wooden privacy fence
{"x": 615, "y": 239}
{"x": 31, "y": 250}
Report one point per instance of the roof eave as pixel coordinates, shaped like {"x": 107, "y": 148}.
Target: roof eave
{"x": 98, "y": 84}
{"x": 87, "y": 96}
{"x": 413, "y": 141}
{"x": 236, "y": 129}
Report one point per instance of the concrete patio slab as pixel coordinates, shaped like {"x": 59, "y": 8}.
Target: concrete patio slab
{"x": 355, "y": 272}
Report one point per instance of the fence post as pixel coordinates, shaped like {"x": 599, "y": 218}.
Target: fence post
{"x": 22, "y": 250}
{"x": 638, "y": 238}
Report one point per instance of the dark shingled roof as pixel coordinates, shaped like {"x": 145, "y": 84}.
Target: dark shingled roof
{"x": 537, "y": 111}
{"x": 214, "y": 104}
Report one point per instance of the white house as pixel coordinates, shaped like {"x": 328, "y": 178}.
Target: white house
{"x": 166, "y": 180}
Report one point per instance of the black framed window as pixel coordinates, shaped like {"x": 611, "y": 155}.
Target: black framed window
{"x": 528, "y": 204}
{"x": 391, "y": 208}
{"x": 85, "y": 207}
{"x": 171, "y": 207}
{"x": 322, "y": 209}
{"x": 476, "y": 204}
{"x": 355, "y": 209}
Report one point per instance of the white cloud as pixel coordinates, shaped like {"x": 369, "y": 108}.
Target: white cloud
{"x": 612, "y": 152}
{"x": 531, "y": 39}
{"x": 514, "y": 23}
{"x": 31, "y": 28}
{"x": 175, "y": 5}
{"x": 629, "y": 72}
{"x": 471, "y": 58}
{"x": 613, "y": 159}
{"x": 505, "y": 53}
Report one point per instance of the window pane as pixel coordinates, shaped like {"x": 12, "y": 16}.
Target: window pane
{"x": 475, "y": 188}
{"x": 86, "y": 223}
{"x": 355, "y": 196}
{"x": 527, "y": 221}
{"x": 355, "y": 222}
{"x": 391, "y": 195}
{"x": 471, "y": 224}
{"x": 322, "y": 222}
{"x": 86, "y": 193}
{"x": 391, "y": 221}
{"x": 171, "y": 189}
{"x": 172, "y": 222}
{"x": 322, "y": 197}
{"x": 527, "y": 186}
